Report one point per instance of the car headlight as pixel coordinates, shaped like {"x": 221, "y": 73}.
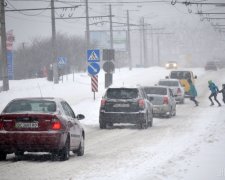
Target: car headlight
{"x": 167, "y": 65}
{"x": 174, "y": 65}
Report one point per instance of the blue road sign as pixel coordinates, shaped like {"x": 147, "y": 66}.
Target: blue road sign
{"x": 93, "y": 68}
{"x": 93, "y": 55}
{"x": 62, "y": 60}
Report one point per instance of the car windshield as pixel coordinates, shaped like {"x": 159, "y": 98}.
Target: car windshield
{"x": 39, "y": 106}
{"x": 122, "y": 93}
{"x": 168, "y": 83}
{"x": 155, "y": 90}
{"x": 180, "y": 75}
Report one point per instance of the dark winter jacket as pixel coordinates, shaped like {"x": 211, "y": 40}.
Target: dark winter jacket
{"x": 213, "y": 88}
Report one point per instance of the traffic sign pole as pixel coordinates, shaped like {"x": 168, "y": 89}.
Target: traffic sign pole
{"x": 93, "y": 59}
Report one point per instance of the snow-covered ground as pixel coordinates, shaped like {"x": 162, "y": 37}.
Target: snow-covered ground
{"x": 188, "y": 146}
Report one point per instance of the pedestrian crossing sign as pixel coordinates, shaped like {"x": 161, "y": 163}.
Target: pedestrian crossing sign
{"x": 93, "y": 55}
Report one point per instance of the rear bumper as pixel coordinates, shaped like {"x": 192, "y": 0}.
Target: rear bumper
{"x": 179, "y": 98}
{"x": 122, "y": 117}
{"x": 161, "y": 110}
{"x": 46, "y": 141}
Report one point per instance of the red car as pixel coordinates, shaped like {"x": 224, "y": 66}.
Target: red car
{"x": 40, "y": 125}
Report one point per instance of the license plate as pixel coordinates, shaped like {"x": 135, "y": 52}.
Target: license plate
{"x": 121, "y": 105}
{"x": 26, "y": 125}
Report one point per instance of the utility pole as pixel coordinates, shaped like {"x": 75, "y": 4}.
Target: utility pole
{"x": 128, "y": 41}
{"x": 3, "y": 47}
{"x": 55, "y": 66}
{"x": 111, "y": 28}
{"x": 158, "y": 47}
{"x": 141, "y": 47}
{"x": 87, "y": 26}
{"x": 146, "y": 64}
{"x": 152, "y": 54}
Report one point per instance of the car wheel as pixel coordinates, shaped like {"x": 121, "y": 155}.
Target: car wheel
{"x": 174, "y": 113}
{"x": 182, "y": 101}
{"x": 102, "y": 124}
{"x": 151, "y": 121}
{"x": 19, "y": 154}
{"x": 3, "y": 156}
{"x": 170, "y": 113}
{"x": 64, "y": 153}
{"x": 144, "y": 125}
{"x": 80, "y": 151}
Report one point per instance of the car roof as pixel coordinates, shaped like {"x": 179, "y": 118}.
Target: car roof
{"x": 165, "y": 87}
{"x": 39, "y": 98}
{"x": 177, "y": 80}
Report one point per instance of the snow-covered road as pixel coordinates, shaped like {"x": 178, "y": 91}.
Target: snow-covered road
{"x": 188, "y": 146}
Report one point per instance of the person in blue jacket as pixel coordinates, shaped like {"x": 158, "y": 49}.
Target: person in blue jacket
{"x": 214, "y": 91}
{"x": 193, "y": 92}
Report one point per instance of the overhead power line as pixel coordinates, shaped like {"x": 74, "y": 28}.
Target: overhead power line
{"x": 38, "y": 9}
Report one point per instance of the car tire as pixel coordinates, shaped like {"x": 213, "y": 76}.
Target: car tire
{"x": 175, "y": 112}
{"x": 102, "y": 124}
{"x": 3, "y": 156}
{"x": 19, "y": 154}
{"x": 182, "y": 101}
{"x": 80, "y": 150}
{"x": 64, "y": 153}
{"x": 144, "y": 125}
{"x": 151, "y": 121}
{"x": 170, "y": 113}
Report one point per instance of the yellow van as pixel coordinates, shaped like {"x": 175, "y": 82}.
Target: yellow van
{"x": 183, "y": 76}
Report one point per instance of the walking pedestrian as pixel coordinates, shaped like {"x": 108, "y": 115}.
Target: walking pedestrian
{"x": 214, "y": 91}
{"x": 223, "y": 92}
{"x": 193, "y": 92}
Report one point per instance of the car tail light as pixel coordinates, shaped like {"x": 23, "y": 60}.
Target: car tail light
{"x": 56, "y": 124}
{"x": 141, "y": 103}
{"x": 103, "y": 102}
{"x": 179, "y": 91}
{"x": 165, "y": 100}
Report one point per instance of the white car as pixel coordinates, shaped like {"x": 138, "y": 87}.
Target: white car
{"x": 162, "y": 99}
{"x": 177, "y": 88}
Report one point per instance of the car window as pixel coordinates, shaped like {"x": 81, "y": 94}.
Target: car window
{"x": 180, "y": 75}
{"x": 68, "y": 110}
{"x": 40, "y": 106}
{"x": 155, "y": 90}
{"x": 168, "y": 83}
{"x": 118, "y": 93}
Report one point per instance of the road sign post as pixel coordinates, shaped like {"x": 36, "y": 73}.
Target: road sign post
{"x": 93, "y": 59}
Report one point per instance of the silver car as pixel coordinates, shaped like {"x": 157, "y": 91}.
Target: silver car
{"x": 177, "y": 88}
{"x": 163, "y": 100}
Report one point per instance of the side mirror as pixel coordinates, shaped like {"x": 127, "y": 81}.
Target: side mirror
{"x": 195, "y": 77}
{"x": 167, "y": 77}
{"x": 80, "y": 116}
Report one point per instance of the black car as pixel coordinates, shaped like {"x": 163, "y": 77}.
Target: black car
{"x": 125, "y": 105}
{"x": 211, "y": 65}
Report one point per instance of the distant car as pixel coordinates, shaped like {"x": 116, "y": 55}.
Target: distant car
{"x": 163, "y": 100}
{"x": 174, "y": 84}
{"x": 183, "y": 76}
{"x": 211, "y": 65}
{"x": 125, "y": 105}
{"x": 171, "y": 65}
{"x": 40, "y": 125}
